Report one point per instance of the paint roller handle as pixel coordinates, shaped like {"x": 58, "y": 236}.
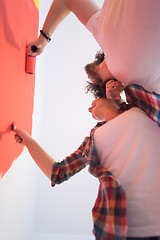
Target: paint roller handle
{"x": 34, "y": 48}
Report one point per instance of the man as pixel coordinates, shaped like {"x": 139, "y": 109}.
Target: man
{"x": 123, "y": 153}
{"x": 136, "y": 95}
{"x": 128, "y": 33}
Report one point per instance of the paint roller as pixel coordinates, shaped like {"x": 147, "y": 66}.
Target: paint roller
{"x": 31, "y": 61}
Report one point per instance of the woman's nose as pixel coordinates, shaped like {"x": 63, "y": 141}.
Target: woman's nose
{"x": 90, "y": 109}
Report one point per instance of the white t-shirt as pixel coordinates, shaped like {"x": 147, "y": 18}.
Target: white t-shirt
{"x": 129, "y": 147}
{"x": 128, "y": 31}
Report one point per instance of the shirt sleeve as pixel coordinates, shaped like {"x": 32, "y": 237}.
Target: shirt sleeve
{"x": 93, "y": 23}
{"x": 149, "y": 102}
{"x": 71, "y": 165}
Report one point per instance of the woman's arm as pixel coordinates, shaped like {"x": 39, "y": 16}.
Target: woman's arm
{"x": 42, "y": 159}
{"x": 60, "y": 171}
{"x": 59, "y": 9}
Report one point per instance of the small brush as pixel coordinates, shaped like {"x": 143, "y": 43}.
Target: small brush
{"x": 13, "y": 126}
{"x": 18, "y": 138}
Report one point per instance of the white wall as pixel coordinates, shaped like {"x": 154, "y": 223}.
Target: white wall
{"x": 17, "y": 198}
{"x": 65, "y": 210}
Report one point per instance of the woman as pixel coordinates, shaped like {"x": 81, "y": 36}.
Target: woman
{"x": 123, "y": 153}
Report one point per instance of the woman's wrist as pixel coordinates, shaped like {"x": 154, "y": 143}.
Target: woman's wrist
{"x": 29, "y": 141}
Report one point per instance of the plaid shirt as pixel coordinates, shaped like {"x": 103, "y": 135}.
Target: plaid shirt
{"x": 149, "y": 102}
{"x": 109, "y": 211}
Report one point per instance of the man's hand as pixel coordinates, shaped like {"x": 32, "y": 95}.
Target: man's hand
{"x": 113, "y": 89}
{"x": 40, "y": 43}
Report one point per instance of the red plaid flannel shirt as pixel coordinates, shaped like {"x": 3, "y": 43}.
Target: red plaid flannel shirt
{"x": 149, "y": 102}
{"x": 109, "y": 211}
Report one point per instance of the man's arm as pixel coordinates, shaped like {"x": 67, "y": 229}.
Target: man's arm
{"x": 83, "y": 9}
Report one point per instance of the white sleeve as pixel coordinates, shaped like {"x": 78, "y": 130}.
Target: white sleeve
{"x": 92, "y": 23}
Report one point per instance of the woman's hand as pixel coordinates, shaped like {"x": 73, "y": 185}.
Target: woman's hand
{"x": 22, "y": 137}
{"x": 113, "y": 89}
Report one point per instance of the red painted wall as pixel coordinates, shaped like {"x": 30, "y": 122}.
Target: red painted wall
{"x": 18, "y": 26}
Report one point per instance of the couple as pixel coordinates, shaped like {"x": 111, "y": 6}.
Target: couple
{"x": 123, "y": 150}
